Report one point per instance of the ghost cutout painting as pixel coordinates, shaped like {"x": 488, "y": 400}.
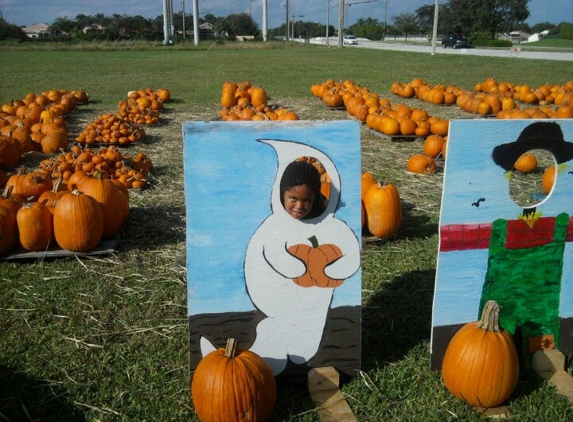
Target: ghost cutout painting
{"x": 290, "y": 330}
{"x": 291, "y": 322}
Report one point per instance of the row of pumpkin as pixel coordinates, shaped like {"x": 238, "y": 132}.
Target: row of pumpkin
{"x": 377, "y": 112}
{"x": 505, "y": 100}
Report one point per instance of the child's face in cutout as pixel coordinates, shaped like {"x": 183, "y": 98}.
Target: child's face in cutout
{"x": 298, "y": 201}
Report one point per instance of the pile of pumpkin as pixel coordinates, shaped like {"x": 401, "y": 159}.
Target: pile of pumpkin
{"x": 36, "y": 213}
{"x": 124, "y": 127}
{"x": 108, "y": 162}
{"x": 377, "y": 112}
{"x": 244, "y": 101}
{"x": 36, "y": 123}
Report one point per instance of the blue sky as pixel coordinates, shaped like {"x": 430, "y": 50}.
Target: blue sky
{"x": 28, "y": 12}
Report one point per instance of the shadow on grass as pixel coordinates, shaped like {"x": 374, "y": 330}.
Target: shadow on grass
{"x": 397, "y": 318}
{"x": 148, "y": 228}
{"x": 23, "y": 398}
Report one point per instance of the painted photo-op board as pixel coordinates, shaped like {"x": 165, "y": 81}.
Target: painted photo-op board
{"x": 288, "y": 289}
{"x": 497, "y": 245}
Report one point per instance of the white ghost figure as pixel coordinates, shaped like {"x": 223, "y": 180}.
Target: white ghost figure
{"x": 295, "y": 315}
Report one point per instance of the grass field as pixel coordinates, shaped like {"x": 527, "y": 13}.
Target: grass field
{"x": 105, "y": 339}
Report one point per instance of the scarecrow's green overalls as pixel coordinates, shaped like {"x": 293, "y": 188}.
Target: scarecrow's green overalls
{"x": 524, "y": 272}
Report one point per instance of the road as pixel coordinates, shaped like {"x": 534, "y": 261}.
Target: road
{"x": 511, "y": 53}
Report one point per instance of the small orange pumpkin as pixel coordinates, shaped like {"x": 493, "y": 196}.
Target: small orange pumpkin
{"x": 231, "y": 384}
{"x": 420, "y": 163}
{"x": 316, "y": 257}
{"x": 548, "y": 179}
{"x": 480, "y": 365}
{"x": 526, "y": 163}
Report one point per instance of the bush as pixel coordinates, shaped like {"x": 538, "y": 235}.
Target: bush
{"x": 566, "y": 31}
{"x": 488, "y": 42}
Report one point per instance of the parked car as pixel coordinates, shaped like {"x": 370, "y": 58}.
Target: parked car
{"x": 350, "y": 40}
{"x": 455, "y": 41}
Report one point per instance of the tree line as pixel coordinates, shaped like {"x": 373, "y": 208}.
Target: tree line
{"x": 469, "y": 18}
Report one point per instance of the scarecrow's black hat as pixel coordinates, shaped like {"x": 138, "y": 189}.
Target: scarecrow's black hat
{"x": 539, "y": 135}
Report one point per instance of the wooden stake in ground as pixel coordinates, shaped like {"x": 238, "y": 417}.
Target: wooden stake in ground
{"x": 323, "y": 386}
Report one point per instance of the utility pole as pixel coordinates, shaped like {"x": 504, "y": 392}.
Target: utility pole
{"x": 340, "y": 23}
{"x": 183, "y": 13}
{"x": 265, "y": 18}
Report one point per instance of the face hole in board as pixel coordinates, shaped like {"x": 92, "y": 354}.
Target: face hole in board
{"x": 532, "y": 178}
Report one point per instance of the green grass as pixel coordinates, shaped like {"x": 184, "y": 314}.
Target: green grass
{"x": 105, "y": 339}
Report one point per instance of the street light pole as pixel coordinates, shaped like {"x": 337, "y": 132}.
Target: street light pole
{"x": 287, "y": 21}
{"x": 435, "y": 29}
{"x": 327, "y": 23}
{"x": 385, "y": 13}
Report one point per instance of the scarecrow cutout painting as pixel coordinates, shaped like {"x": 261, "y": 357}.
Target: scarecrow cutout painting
{"x": 493, "y": 247}
{"x": 287, "y": 288}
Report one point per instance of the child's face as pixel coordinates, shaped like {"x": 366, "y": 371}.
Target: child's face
{"x": 298, "y": 201}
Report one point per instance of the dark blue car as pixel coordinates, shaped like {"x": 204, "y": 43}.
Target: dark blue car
{"x": 455, "y": 41}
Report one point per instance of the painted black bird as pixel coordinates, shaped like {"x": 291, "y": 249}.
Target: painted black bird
{"x": 476, "y": 204}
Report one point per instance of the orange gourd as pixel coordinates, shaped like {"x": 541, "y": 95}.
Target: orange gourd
{"x": 383, "y": 210}
{"x": 316, "y": 257}
{"x": 480, "y": 365}
{"x": 233, "y": 385}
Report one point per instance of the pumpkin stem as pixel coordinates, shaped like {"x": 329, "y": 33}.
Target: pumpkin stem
{"x": 313, "y": 241}
{"x": 231, "y": 348}
{"x": 490, "y": 317}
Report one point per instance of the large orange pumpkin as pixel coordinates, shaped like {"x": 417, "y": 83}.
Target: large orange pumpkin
{"x": 481, "y": 365}
{"x": 233, "y": 385}
{"x": 316, "y": 257}
{"x": 78, "y": 222}
{"x": 383, "y": 210}
{"x": 114, "y": 204}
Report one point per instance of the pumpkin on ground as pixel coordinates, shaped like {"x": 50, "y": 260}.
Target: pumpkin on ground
{"x": 35, "y": 226}
{"x": 78, "y": 222}
{"x": 316, "y": 257}
{"x": 114, "y": 204}
{"x": 233, "y": 385}
{"x": 383, "y": 210}
{"x": 421, "y": 163}
{"x": 480, "y": 365}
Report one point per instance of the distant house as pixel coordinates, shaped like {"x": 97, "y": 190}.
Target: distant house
{"x": 519, "y": 36}
{"x": 538, "y": 36}
{"x": 38, "y": 30}
{"x": 93, "y": 27}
